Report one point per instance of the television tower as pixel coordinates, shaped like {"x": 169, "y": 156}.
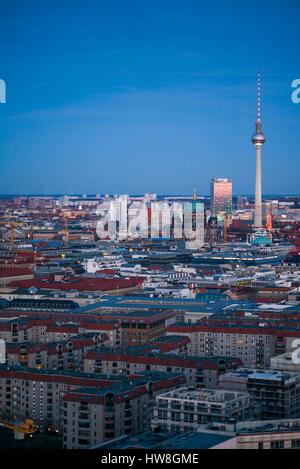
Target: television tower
{"x": 258, "y": 140}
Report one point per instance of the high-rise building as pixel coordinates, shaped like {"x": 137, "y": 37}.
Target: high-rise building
{"x": 194, "y": 224}
{"x": 220, "y": 195}
{"x": 241, "y": 202}
{"x": 258, "y": 140}
{"x": 123, "y": 222}
{"x": 138, "y": 220}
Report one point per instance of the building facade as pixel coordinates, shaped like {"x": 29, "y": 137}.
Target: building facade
{"x": 185, "y": 409}
{"x": 92, "y": 417}
{"x": 274, "y": 394}
{"x": 220, "y": 195}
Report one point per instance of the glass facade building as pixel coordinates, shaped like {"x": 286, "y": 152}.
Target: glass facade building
{"x": 220, "y": 195}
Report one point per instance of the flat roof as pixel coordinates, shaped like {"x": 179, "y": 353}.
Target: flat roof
{"x": 147, "y": 440}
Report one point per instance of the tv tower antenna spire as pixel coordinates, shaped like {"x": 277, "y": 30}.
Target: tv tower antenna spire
{"x": 258, "y": 140}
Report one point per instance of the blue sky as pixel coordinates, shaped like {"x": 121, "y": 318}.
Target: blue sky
{"x": 128, "y": 96}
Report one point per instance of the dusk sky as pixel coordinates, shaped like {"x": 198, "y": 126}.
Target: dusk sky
{"x": 133, "y": 96}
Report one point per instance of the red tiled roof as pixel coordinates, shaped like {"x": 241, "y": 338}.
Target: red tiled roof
{"x": 168, "y": 346}
{"x": 163, "y": 360}
{"x": 15, "y": 272}
{"x": 177, "y": 329}
{"x": 59, "y": 378}
{"x": 93, "y": 326}
{"x": 80, "y": 284}
{"x": 62, "y": 329}
{"x": 121, "y": 396}
{"x": 107, "y": 271}
{"x": 12, "y": 348}
{"x": 39, "y": 322}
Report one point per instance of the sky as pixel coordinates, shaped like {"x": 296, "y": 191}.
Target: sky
{"x": 131, "y": 96}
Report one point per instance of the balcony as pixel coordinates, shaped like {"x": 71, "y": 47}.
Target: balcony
{"x": 83, "y": 424}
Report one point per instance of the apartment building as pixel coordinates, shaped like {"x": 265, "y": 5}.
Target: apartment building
{"x": 185, "y": 409}
{"x": 254, "y": 345}
{"x": 23, "y": 329}
{"x": 93, "y": 416}
{"x": 275, "y": 434}
{"x": 45, "y": 330}
{"x": 111, "y": 329}
{"x": 46, "y": 396}
{"x": 143, "y": 327}
{"x": 274, "y": 394}
{"x": 198, "y": 371}
{"x": 63, "y": 331}
{"x": 55, "y": 355}
{"x": 258, "y": 434}
{"x": 38, "y": 394}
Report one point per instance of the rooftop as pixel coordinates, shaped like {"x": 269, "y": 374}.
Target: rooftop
{"x": 186, "y": 441}
{"x": 202, "y": 395}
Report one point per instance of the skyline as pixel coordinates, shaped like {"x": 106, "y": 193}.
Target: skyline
{"x": 149, "y": 228}
{"x": 93, "y": 194}
{"x": 156, "y": 100}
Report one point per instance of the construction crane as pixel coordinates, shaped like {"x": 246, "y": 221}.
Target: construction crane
{"x": 12, "y": 226}
{"x": 20, "y": 429}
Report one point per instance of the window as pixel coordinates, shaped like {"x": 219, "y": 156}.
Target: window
{"x": 278, "y": 444}
{"x": 109, "y": 402}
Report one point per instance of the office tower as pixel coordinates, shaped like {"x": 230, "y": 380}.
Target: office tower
{"x": 220, "y": 195}
{"x": 241, "y": 202}
{"x": 65, "y": 200}
{"x": 178, "y": 220}
{"x": 258, "y": 140}
{"x": 138, "y": 220}
{"x": 117, "y": 218}
{"x": 155, "y": 219}
{"x": 188, "y": 220}
{"x": 165, "y": 220}
{"x": 161, "y": 219}
{"x": 123, "y": 222}
{"x": 194, "y": 234}
{"x": 113, "y": 215}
